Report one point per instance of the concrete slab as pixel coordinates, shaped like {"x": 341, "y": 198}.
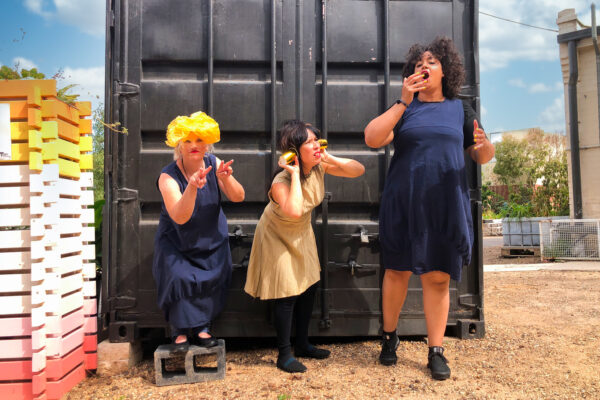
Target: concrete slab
{"x": 115, "y": 358}
{"x": 555, "y": 266}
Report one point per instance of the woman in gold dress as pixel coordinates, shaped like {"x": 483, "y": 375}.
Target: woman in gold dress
{"x": 284, "y": 264}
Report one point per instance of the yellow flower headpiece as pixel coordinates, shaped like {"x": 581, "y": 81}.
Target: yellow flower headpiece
{"x": 198, "y": 124}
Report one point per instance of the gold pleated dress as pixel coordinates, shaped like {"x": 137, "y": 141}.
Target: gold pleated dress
{"x": 284, "y": 261}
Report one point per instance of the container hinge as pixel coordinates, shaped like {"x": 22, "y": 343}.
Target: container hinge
{"x": 361, "y": 233}
{"x": 125, "y": 194}
{"x": 238, "y": 233}
{"x": 469, "y": 300}
{"x": 126, "y": 89}
{"x": 121, "y": 302}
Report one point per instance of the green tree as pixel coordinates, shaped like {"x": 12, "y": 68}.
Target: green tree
{"x": 16, "y": 73}
{"x": 98, "y": 152}
{"x": 511, "y": 161}
{"x": 535, "y": 170}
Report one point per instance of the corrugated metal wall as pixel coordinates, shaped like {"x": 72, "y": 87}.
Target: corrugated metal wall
{"x": 252, "y": 64}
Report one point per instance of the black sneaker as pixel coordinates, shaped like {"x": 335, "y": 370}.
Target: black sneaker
{"x": 291, "y": 365}
{"x": 389, "y": 345}
{"x": 438, "y": 364}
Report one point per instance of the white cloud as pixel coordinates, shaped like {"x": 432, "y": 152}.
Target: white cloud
{"x": 87, "y": 15}
{"x": 552, "y": 119}
{"x": 538, "y": 87}
{"x": 89, "y": 81}
{"x": 35, "y": 6}
{"x": 501, "y": 42}
{"x": 484, "y": 111}
{"x": 517, "y": 83}
{"x": 23, "y": 63}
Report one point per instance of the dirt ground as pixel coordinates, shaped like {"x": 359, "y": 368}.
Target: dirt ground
{"x": 492, "y": 255}
{"x": 541, "y": 342}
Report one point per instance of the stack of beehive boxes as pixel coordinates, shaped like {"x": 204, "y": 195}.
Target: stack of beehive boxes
{"x": 47, "y": 271}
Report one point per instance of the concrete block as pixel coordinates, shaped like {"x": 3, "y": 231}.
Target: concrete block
{"x": 115, "y": 358}
{"x": 192, "y": 373}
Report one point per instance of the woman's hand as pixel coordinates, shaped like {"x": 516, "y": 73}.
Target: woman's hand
{"x": 479, "y": 136}
{"x": 482, "y": 150}
{"x": 224, "y": 169}
{"x": 227, "y": 183}
{"x": 198, "y": 179}
{"x": 291, "y": 168}
{"x": 324, "y": 155}
{"x": 411, "y": 85}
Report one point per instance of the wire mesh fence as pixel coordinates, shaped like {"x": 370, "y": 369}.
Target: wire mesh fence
{"x": 570, "y": 239}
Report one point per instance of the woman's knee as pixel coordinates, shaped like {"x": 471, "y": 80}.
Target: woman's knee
{"x": 397, "y": 277}
{"x": 435, "y": 280}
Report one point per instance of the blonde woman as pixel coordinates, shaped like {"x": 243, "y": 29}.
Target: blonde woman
{"x": 192, "y": 259}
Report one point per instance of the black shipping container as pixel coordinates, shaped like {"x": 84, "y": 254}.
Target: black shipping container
{"x": 252, "y": 64}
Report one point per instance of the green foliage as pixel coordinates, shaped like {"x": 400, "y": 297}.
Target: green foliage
{"x": 515, "y": 210}
{"x": 491, "y": 202}
{"x": 283, "y": 397}
{"x": 98, "y": 215}
{"x": 68, "y": 98}
{"x": 98, "y": 152}
{"x": 523, "y": 165}
{"x": 9, "y": 73}
{"x": 511, "y": 160}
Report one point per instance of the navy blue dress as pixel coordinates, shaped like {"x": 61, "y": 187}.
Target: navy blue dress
{"x": 192, "y": 261}
{"x": 425, "y": 219}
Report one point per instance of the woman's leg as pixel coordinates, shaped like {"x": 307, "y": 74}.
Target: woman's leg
{"x": 303, "y": 312}
{"x": 436, "y": 304}
{"x": 283, "y": 313}
{"x": 394, "y": 289}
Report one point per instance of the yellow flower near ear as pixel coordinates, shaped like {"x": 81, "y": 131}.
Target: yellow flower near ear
{"x": 198, "y": 124}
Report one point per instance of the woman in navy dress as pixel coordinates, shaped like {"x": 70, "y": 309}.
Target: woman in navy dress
{"x": 425, "y": 215}
{"x": 192, "y": 259}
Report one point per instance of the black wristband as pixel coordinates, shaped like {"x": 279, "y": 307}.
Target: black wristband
{"x": 400, "y": 101}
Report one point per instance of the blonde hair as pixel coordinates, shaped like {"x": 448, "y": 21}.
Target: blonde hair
{"x": 198, "y": 124}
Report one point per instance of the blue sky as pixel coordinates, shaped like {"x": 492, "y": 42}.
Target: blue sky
{"x": 521, "y": 79}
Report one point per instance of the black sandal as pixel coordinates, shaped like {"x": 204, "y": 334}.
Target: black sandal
{"x": 182, "y": 347}
{"x": 203, "y": 342}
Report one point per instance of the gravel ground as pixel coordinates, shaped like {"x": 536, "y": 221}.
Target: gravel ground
{"x": 542, "y": 336}
{"x": 492, "y": 256}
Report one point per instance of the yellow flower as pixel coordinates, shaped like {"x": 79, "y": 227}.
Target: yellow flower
{"x": 198, "y": 124}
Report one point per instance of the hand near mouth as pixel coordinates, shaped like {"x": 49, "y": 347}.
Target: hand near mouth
{"x": 324, "y": 155}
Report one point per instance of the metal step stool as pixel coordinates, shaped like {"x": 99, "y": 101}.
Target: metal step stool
{"x": 192, "y": 373}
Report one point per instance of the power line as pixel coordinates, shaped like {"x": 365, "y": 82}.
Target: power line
{"x": 517, "y": 22}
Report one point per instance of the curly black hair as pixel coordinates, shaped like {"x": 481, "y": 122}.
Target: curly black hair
{"x": 443, "y": 49}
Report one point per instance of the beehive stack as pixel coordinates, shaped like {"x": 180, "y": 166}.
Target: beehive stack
{"x": 47, "y": 287}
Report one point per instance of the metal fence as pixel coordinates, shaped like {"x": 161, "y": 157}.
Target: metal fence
{"x": 570, "y": 239}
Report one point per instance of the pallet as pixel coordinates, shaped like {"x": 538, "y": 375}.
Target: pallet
{"x": 519, "y": 251}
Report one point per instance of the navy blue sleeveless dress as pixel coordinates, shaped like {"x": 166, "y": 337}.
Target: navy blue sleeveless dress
{"x": 425, "y": 219}
{"x": 192, "y": 261}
